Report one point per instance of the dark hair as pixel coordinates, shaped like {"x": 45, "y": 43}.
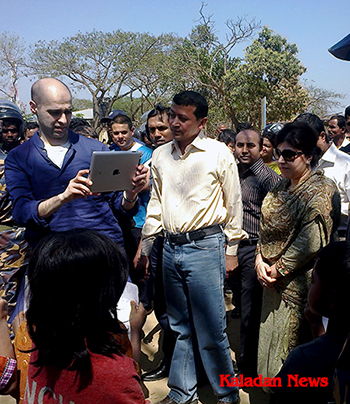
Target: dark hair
{"x": 341, "y": 120}
{"x": 159, "y": 110}
{"x": 347, "y": 112}
{"x": 192, "y": 98}
{"x": 76, "y": 279}
{"x": 227, "y": 136}
{"x": 270, "y": 132}
{"x": 122, "y": 119}
{"x": 82, "y": 127}
{"x": 244, "y": 126}
{"x": 261, "y": 140}
{"x": 314, "y": 121}
{"x": 333, "y": 266}
{"x": 301, "y": 136}
{"x": 31, "y": 125}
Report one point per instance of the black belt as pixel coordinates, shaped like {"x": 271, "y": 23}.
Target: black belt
{"x": 248, "y": 241}
{"x": 183, "y": 238}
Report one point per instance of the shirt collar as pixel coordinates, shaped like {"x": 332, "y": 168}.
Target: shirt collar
{"x": 255, "y": 168}
{"x": 73, "y": 139}
{"x": 197, "y": 143}
{"x": 330, "y": 154}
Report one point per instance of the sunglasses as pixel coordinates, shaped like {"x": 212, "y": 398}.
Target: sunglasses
{"x": 13, "y": 131}
{"x": 287, "y": 154}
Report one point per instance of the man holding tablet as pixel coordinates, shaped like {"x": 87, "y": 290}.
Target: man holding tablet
{"x": 47, "y": 176}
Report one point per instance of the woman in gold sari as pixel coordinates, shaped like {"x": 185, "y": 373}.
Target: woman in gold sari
{"x": 298, "y": 218}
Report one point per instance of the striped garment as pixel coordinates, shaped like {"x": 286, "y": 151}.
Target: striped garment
{"x": 7, "y": 367}
{"x": 256, "y": 182}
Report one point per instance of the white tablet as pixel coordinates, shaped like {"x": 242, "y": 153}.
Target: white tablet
{"x": 113, "y": 171}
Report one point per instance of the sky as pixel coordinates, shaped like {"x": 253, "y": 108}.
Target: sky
{"x": 313, "y": 26}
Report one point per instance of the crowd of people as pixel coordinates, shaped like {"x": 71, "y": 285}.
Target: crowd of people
{"x": 264, "y": 214}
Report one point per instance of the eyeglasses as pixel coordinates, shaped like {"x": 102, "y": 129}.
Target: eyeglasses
{"x": 287, "y": 154}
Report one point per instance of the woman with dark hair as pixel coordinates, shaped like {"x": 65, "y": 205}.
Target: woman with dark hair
{"x": 76, "y": 279}
{"x": 269, "y": 135}
{"x": 299, "y": 215}
{"x": 228, "y": 136}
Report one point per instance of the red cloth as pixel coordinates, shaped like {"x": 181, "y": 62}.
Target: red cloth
{"x": 7, "y": 367}
{"x": 114, "y": 381}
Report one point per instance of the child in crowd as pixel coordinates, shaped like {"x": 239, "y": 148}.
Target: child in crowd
{"x": 307, "y": 374}
{"x": 76, "y": 279}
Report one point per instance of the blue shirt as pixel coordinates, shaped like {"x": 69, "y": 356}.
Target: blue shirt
{"x": 144, "y": 196}
{"x": 31, "y": 178}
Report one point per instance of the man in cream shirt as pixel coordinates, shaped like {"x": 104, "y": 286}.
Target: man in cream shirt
{"x": 196, "y": 201}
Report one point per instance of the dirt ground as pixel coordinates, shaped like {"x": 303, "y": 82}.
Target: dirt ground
{"x": 151, "y": 356}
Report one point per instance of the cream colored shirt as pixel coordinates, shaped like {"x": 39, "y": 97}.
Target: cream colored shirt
{"x": 197, "y": 189}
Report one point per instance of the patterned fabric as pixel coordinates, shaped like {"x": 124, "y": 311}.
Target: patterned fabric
{"x": 295, "y": 224}
{"x": 22, "y": 345}
{"x": 13, "y": 248}
{"x": 5, "y": 204}
{"x": 288, "y": 214}
{"x": 7, "y": 367}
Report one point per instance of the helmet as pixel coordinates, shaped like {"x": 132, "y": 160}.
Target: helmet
{"x": 9, "y": 110}
{"x": 272, "y": 129}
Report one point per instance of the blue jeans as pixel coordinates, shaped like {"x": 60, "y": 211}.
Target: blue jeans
{"x": 193, "y": 280}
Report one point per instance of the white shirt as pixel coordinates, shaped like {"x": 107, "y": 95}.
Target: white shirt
{"x": 344, "y": 143}
{"x": 57, "y": 153}
{"x": 193, "y": 190}
{"x": 336, "y": 166}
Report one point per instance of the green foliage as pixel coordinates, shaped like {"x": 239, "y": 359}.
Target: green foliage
{"x": 109, "y": 65}
{"x": 80, "y": 103}
{"x": 133, "y": 71}
{"x": 207, "y": 65}
{"x": 271, "y": 69}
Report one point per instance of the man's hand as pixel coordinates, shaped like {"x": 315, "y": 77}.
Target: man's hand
{"x": 140, "y": 181}
{"x": 137, "y": 320}
{"x": 78, "y": 187}
{"x": 141, "y": 264}
{"x": 231, "y": 264}
{"x": 137, "y": 315}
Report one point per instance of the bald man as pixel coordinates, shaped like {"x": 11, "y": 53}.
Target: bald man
{"x": 47, "y": 175}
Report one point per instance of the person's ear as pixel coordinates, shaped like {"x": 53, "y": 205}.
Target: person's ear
{"x": 322, "y": 136}
{"x": 33, "y": 107}
{"x": 203, "y": 122}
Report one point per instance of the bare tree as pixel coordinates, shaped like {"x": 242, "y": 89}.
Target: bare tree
{"x": 207, "y": 63}
{"x": 12, "y": 64}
